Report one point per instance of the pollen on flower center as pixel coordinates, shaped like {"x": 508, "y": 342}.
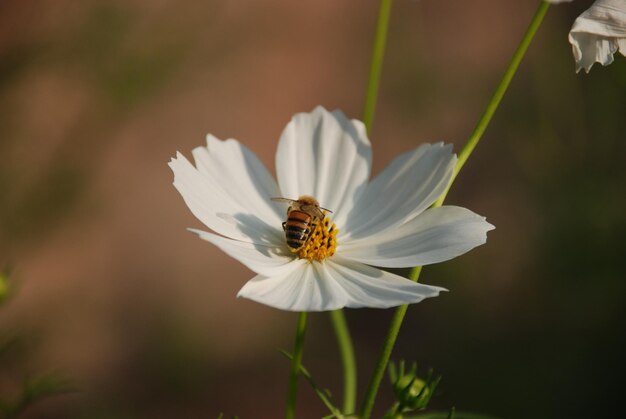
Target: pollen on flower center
{"x": 322, "y": 242}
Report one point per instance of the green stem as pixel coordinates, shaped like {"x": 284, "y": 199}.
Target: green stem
{"x": 376, "y": 65}
{"x": 347, "y": 358}
{"x": 385, "y": 354}
{"x": 481, "y": 126}
{"x": 296, "y": 363}
{"x": 394, "y": 412}
{"x": 337, "y": 317}
{"x": 484, "y": 120}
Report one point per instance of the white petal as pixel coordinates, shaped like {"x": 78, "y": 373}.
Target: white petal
{"x": 436, "y": 235}
{"x": 598, "y": 33}
{"x": 405, "y": 188}
{"x": 324, "y": 155}
{"x": 333, "y": 284}
{"x": 366, "y": 286}
{"x": 622, "y": 46}
{"x": 230, "y": 192}
{"x": 302, "y": 289}
{"x": 241, "y": 176}
{"x": 558, "y": 1}
{"x": 265, "y": 260}
{"x": 589, "y": 49}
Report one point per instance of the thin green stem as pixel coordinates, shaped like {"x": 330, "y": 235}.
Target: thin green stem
{"x": 347, "y": 358}
{"x": 398, "y": 317}
{"x": 337, "y": 317}
{"x": 385, "y": 354}
{"x": 394, "y": 412}
{"x": 484, "y": 120}
{"x": 296, "y": 363}
{"x": 376, "y": 64}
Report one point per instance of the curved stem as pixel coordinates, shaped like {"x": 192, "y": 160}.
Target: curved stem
{"x": 296, "y": 362}
{"x": 481, "y": 126}
{"x": 347, "y": 358}
{"x": 376, "y": 64}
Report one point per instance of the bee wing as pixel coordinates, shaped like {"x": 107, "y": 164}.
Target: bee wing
{"x": 286, "y": 200}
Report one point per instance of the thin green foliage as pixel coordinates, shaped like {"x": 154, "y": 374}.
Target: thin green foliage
{"x": 322, "y": 393}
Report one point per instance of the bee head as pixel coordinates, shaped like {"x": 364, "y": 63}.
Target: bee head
{"x": 308, "y": 200}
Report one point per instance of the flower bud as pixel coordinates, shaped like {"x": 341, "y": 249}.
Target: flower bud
{"x": 411, "y": 391}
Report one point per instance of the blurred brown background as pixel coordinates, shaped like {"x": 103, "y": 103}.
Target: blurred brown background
{"x": 114, "y": 293}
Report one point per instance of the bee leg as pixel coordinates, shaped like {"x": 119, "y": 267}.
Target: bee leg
{"x": 284, "y": 225}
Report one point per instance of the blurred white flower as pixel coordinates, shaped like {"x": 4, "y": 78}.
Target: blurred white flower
{"x": 385, "y": 223}
{"x": 598, "y": 33}
{"x": 558, "y": 1}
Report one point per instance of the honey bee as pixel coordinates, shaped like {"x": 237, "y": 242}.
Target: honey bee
{"x": 303, "y": 215}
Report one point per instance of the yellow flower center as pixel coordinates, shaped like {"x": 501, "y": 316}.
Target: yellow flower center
{"x": 322, "y": 242}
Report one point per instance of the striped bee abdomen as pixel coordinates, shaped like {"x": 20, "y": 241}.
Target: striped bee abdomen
{"x": 297, "y": 229}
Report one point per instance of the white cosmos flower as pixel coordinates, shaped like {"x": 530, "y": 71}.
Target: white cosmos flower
{"x": 385, "y": 223}
{"x": 598, "y": 33}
